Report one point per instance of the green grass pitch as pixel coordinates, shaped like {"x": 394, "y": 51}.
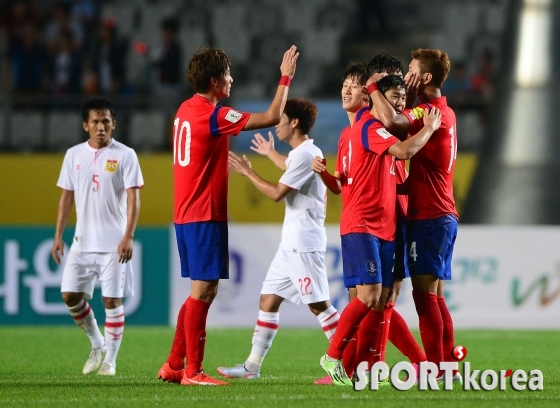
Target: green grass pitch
{"x": 41, "y": 366}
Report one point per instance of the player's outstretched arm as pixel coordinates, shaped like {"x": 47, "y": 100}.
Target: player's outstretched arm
{"x": 266, "y": 148}
{"x": 396, "y": 123}
{"x": 405, "y": 150}
{"x": 243, "y": 167}
{"x": 319, "y": 166}
{"x": 64, "y": 208}
{"x": 132, "y": 212}
{"x": 272, "y": 115}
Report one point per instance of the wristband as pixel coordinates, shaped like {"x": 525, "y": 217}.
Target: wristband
{"x": 371, "y": 88}
{"x": 285, "y": 80}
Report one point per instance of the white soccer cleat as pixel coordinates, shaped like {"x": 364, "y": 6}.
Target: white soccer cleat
{"x": 94, "y": 360}
{"x": 457, "y": 379}
{"x": 239, "y": 371}
{"x": 107, "y": 369}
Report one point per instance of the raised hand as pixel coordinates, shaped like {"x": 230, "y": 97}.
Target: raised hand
{"x": 261, "y": 145}
{"x": 288, "y": 66}
{"x": 238, "y": 164}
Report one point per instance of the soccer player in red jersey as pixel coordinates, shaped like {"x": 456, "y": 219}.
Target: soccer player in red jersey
{"x": 431, "y": 218}
{"x": 200, "y": 163}
{"x": 368, "y": 222}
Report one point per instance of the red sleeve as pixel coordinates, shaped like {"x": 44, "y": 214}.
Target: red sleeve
{"x": 376, "y": 138}
{"x": 416, "y": 118}
{"x": 227, "y": 121}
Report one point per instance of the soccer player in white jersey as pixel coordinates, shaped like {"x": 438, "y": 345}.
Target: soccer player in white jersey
{"x": 297, "y": 272}
{"x": 103, "y": 178}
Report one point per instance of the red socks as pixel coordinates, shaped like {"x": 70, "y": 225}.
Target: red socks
{"x": 368, "y": 337}
{"x": 384, "y": 332}
{"x": 431, "y": 325}
{"x": 448, "y": 338}
{"x": 196, "y": 312}
{"x": 178, "y": 352}
{"x": 347, "y": 326}
{"x": 349, "y": 356}
{"x": 402, "y": 338}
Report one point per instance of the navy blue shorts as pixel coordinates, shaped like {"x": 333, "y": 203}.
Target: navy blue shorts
{"x": 430, "y": 246}
{"x": 367, "y": 259}
{"x": 203, "y": 250}
{"x": 400, "y": 271}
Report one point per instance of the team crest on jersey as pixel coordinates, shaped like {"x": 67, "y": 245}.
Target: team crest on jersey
{"x": 111, "y": 166}
{"x": 384, "y": 133}
{"x": 233, "y": 116}
{"x": 416, "y": 113}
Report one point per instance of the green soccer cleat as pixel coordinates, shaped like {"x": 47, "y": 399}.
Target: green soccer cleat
{"x": 336, "y": 371}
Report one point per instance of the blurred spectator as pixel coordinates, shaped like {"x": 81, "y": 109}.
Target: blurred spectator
{"x": 368, "y": 11}
{"x": 84, "y": 13}
{"x": 27, "y": 63}
{"x": 16, "y": 19}
{"x": 484, "y": 79}
{"x": 90, "y": 84}
{"x": 64, "y": 67}
{"x": 61, "y": 22}
{"x": 457, "y": 86}
{"x": 110, "y": 57}
{"x": 168, "y": 63}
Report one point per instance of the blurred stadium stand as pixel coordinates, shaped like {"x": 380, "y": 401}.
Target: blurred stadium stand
{"x": 254, "y": 33}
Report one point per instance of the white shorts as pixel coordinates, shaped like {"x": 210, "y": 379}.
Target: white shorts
{"x": 297, "y": 277}
{"x": 82, "y": 268}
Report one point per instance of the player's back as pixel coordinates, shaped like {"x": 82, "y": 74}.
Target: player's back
{"x": 431, "y": 169}
{"x": 200, "y": 159}
{"x": 304, "y": 220}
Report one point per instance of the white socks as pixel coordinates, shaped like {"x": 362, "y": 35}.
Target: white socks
{"x": 265, "y": 330}
{"x": 85, "y": 319}
{"x": 329, "y": 321}
{"x": 114, "y": 327}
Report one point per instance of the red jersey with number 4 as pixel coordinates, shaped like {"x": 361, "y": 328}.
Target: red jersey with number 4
{"x": 431, "y": 169}
{"x": 200, "y": 159}
{"x": 370, "y": 205}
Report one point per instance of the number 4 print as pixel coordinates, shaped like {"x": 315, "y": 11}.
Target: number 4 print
{"x": 304, "y": 286}
{"x": 412, "y": 252}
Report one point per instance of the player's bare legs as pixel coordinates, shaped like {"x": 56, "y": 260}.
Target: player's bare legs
{"x": 84, "y": 317}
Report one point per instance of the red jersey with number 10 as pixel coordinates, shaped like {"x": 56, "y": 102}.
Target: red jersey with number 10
{"x": 200, "y": 159}
{"x": 430, "y": 193}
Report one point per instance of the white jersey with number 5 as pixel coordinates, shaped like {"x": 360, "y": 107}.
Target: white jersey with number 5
{"x": 304, "y": 222}
{"x": 99, "y": 179}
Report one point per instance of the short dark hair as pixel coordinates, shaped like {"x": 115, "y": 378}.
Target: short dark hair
{"x": 390, "y": 82}
{"x": 302, "y": 109}
{"x": 435, "y": 62}
{"x": 205, "y": 64}
{"x": 98, "y": 104}
{"x": 356, "y": 71}
{"x": 384, "y": 63}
